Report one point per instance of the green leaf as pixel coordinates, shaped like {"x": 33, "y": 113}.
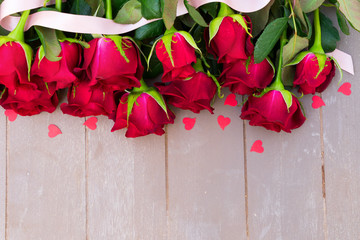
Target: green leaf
{"x": 97, "y": 7}
{"x": 49, "y": 42}
{"x": 73, "y": 40}
{"x": 288, "y": 75}
{"x": 118, "y": 40}
{"x": 299, "y": 13}
{"x": 287, "y": 98}
{"x": 130, "y": 13}
{"x": 214, "y": 27}
{"x": 169, "y": 12}
{"x": 310, "y": 5}
{"x": 190, "y": 40}
{"x": 150, "y": 30}
{"x": 130, "y": 103}
{"x": 351, "y": 10}
{"x": 298, "y": 58}
{"x": 329, "y": 34}
{"x": 293, "y": 47}
{"x": 151, "y": 9}
{"x": 195, "y": 14}
{"x": 268, "y": 38}
{"x": 260, "y": 18}
{"x": 342, "y": 22}
{"x": 211, "y": 9}
{"x": 158, "y": 98}
{"x": 80, "y": 7}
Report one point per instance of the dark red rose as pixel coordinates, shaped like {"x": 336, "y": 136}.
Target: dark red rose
{"x": 60, "y": 72}
{"x": 13, "y": 66}
{"x": 243, "y": 77}
{"x": 308, "y": 77}
{"x": 106, "y": 66}
{"x": 194, "y": 94}
{"x": 270, "y": 111}
{"x": 27, "y": 100}
{"x": 178, "y": 65}
{"x": 146, "y": 117}
{"x": 231, "y": 42}
{"x": 83, "y": 101}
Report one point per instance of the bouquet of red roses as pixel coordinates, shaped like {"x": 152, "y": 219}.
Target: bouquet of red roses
{"x": 197, "y": 54}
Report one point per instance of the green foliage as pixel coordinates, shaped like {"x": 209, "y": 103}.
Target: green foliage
{"x": 151, "y": 9}
{"x": 130, "y": 13}
{"x": 150, "y": 30}
{"x": 50, "y": 43}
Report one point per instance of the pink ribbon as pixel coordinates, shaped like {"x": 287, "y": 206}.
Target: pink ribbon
{"x": 345, "y": 60}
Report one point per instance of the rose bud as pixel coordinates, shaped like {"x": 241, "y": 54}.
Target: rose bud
{"x": 28, "y": 101}
{"x": 310, "y": 76}
{"x": 275, "y": 110}
{"x": 113, "y": 63}
{"x": 194, "y": 94}
{"x": 176, "y": 52}
{"x": 228, "y": 36}
{"x": 143, "y": 112}
{"x": 84, "y": 100}
{"x": 16, "y": 57}
{"x": 245, "y": 76}
{"x": 60, "y": 72}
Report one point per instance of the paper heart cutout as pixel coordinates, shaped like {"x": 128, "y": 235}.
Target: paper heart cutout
{"x": 345, "y": 89}
{"x": 317, "y": 102}
{"x": 223, "y": 121}
{"x": 257, "y": 147}
{"x": 231, "y": 100}
{"x": 91, "y": 123}
{"x": 11, "y": 114}
{"x": 189, "y": 123}
{"x": 53, "y": 131}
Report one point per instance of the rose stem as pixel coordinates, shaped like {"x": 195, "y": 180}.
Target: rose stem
{"x": 18, "y": 32}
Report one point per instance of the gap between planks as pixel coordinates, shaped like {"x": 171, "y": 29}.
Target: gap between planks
{"x": 6, "y": 177}
{"x": 246, "y": 183}
{"x": 323, "y": 169}
{"x": 167, "y": 182}
{"x": 86, "y": 182}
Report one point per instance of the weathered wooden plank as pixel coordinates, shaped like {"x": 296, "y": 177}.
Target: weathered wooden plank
{"x": 126, "y": 185}
{"x": 46, "y": 178}
{"x": 341, "y": 139}
{"x": 206, "y": 177}
{"x": 2, "y": 173}
{"x": 285, "y": 181}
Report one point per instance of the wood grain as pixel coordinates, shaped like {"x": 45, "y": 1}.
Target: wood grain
{"x": 285, "y": 181}
{"x": 126, "y": 185}
{"x": 206, "y": 177}
{"x": 341, "y": 140}
{"x": 46, "y": 178}
{"x": 2, "y": 173}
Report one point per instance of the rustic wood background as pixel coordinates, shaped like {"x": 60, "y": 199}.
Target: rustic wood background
{"x": 198, "y": 184}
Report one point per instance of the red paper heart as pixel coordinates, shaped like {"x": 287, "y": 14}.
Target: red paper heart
{"x": 345, "y": 89}
{"x": 53, "y": 131}
{"x": 257, "y": 147}
{"x": 189, "y": 123}
{"x": 223, "y": 121}
{"x": 91, "y": 123}
{"x": 11, "y": 114}
{"x": 317, "y": 102}
{"x": 231, "y": 100}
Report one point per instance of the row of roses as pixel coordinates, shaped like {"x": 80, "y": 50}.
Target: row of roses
{"x": 105, "y": 77}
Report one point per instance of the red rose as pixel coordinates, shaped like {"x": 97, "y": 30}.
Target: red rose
{"x": 243, "y": 77}
{"x": 62, "y": 71}
{"x": 271, "y": 112}
{"x": 83, "y": 101}
{"x": 232, "y": 41}
{"x": 177, "y": 66}
{"x": 308, "y": 77}
{"x": 194, "y": 94}
{"x": 146, "y": 117}
{"x": 110, "y": 67}
{"x": 27, "y": 100}
{"x": 13, "y": 66}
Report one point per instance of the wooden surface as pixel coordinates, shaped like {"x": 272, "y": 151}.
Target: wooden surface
{"x": 189, "y": 185}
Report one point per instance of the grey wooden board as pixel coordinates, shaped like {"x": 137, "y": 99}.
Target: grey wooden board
{"x": 206, "y": 177}
{"x": 285, "y": 181}
{"x": 2, "y": 173}
{"x": 46, "y": 179}
{"x": 341, "y": 143}
{"x": 126, "y": 185}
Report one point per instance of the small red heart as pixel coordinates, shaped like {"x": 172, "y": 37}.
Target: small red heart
{"x": 345, "y": 89}
{"x": 11, "y": 114}
{"x": 223, "y": 121}
{"x": 317, "y": 102}
{"x": 91, "y": 123}
{"x": 189, "y": 123}
{"x": 53, "y": 131}
{"x": 231, "y": 100}
{"x": 257, "y": 147}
